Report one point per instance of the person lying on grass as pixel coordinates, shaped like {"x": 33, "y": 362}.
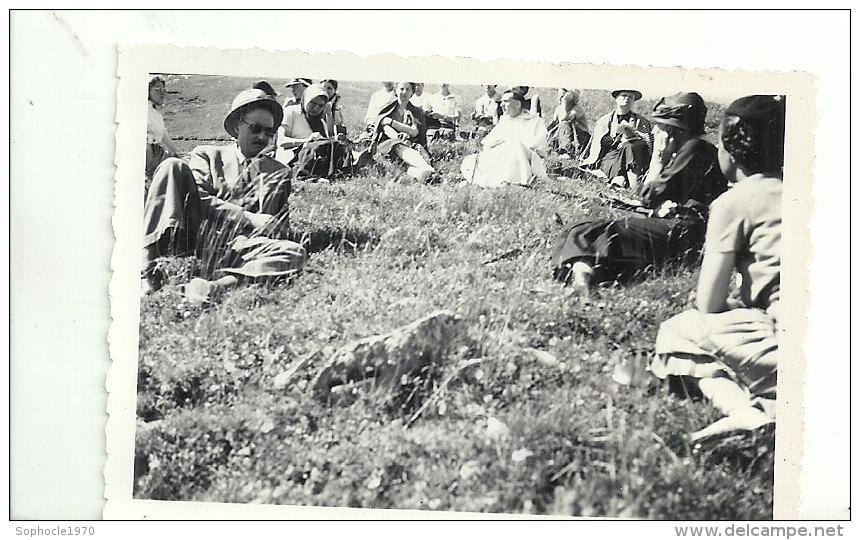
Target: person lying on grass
{"x": 400, "y": 133}
{"x": 228, "y": 205}
{"x": 513, "y": 151}
{"x": 309, "y": 141}
{"x": 729, "y": 341}
{"x": 620, "y": 143}
{"x": 668, "y": 223}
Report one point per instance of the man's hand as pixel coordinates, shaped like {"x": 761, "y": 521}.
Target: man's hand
{"x": 262, "y": 223}
{"x": 626, "y": 128}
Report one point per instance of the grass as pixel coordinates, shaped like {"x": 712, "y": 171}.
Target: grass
{"x": 511, "y": 431}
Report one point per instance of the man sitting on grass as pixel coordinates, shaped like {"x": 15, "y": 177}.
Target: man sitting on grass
{"x": 443, "y": 115}
{"x": 512, "y": 153}
{"x": 621, "y": 143}
{"x": 226, "y": 204}
{"x": 487, "y": 113}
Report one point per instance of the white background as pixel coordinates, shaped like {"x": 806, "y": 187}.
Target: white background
{"x": 62, "y": 102}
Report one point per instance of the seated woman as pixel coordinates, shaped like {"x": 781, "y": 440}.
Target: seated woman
{"x": 569, "y": 128}
{"x": 334, "y": 108}
{"x": 297, "y": 88}
{"x": 620, "y": 143}
{"x": 159, "y": 145}
{"x": 730, "y": 344}
{"x": 399, "y": 132}
{"x": 228, "y": 205}
{"x": 684, "y": 179}
{"x": 308, "y": 141}
{"x": 513, "y": 151}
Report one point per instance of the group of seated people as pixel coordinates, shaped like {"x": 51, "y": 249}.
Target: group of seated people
{"x": 228, "y": 205}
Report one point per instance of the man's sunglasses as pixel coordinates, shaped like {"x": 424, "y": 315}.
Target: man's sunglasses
{"x": 256, "y": 129}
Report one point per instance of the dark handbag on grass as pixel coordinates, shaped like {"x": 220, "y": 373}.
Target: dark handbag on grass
{"x": 324, "y": 158}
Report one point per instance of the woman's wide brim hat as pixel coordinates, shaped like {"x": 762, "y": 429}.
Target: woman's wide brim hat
{"x": 299, "y": 80}
{"x": 248, "y": 100}
{"x": 684, "y": 110}
{"x": 637, "y": 95}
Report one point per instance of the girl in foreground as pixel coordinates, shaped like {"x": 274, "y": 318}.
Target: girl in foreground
{"x": 729, "y": 343}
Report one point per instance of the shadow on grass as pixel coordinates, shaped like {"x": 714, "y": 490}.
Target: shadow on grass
{"x": 342, "y": 240}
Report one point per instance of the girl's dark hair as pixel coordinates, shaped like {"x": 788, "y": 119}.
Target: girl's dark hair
{"x": 155, "y": 79}
{"x": 332, "y": 81}
{"x": 757, "y": 147}
{"x": 753, "y": 133}
{"x": 411, "y": 85}
{"x": 265, "y": 87}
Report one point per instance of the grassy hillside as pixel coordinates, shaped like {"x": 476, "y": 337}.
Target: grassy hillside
{"x": 521, "y": 417}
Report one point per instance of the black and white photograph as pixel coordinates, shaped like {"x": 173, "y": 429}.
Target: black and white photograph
{"x": 552, "y": 298}
{"x": 436, "y": 286}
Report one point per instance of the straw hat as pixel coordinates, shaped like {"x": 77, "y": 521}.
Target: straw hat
{"x": 247, "y": 100}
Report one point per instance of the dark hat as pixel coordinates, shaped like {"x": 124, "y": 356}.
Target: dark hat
{"x": 515, "y": 92}
{"x": 265, "y": 87}
{"x": 247, "y": 100}
{"x": 684, "y": 110}
{"x": 299, "y": 80}
{"x": 759, "y": 109}
{"x": 637, "y": 95}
